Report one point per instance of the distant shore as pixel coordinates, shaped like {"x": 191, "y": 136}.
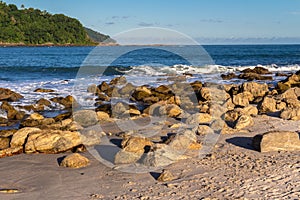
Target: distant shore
{"x": 54, "y": 45}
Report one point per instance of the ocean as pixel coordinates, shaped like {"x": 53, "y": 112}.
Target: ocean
{"x": 23, "y": 69}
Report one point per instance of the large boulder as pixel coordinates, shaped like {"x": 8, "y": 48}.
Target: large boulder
{"x": 242, "y": 99}
{"x": 10, "y": 110}
{"x": 290, "y": 113}
{"x": 4, "y": 143}
{"x": 52, "y": 141}
{"x": 292, "y": 93}
{"x": 199, "y": 118}
{"x": 243, "y": 122}
{"x": 8, "y": 95}
{"x": 19, "y": 137}
{"x": 68, "y": 101}
{"x": 277, "y": 141}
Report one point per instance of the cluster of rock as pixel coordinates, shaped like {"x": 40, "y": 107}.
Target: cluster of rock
{"x": 197, "y": 109}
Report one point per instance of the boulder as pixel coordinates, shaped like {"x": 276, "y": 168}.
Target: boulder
{"x": 257, "y": 70}
{"x": 52, "y": 141}
{"x": 121, "y": 80}
{"x": 228, "y": 76}
{"x": 256, "y": 89}
{"x": 103, "y": 116}
{"x": 254, "y": 76}
{"x": 242, "y": 99}
{"x": 44, "y": 102}
{"x": 182, "y": 141}
{"x": 19, "y": 137}
{"x": 103, "y": 87}
{"x": 85, "y": 118}
{"x": 291, "y": 93}
{"x": 68, "y": 101}
{"x": 127, "y": 89}
{"x": 268, "y": 105}
{"x": 8, "y": 95}
{"x": 127, "y": 157}
{"x": 171, "y": 110}
{"x": 249, "y": 110}
{"x": 204, "y": 130}
{"x": 136, "y": 144}
{"x": 75, "y": 160}
{"x": 290, "y": 113}
{"x": 277, "y": 141}
{"x": 243, "y": 122}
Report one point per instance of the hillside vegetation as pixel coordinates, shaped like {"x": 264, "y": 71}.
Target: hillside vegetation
{"x": 31, "y": 26}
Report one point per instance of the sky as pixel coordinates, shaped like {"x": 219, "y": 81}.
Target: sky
{"x": 222, "y": 21}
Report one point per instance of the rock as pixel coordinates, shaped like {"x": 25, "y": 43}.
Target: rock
{"x": 256, "y": 89}
{"x": 19, "y": 137}
{"x": 63, "y": 116}
{"x": 126, "y": 157}
{"x": 277, "y": 141}
{"x": 52, "y": 141}
{"x": 257, "y": 70}
{"x": 127, "y": 89}
{"x": 43, "y": 90}
{"x": 290, "y": 113}
{"x": 7, "y": 133}
{"x": 244, "y": 121}
{"x": 102, "y": 97}
{"x": 165, "y": 176}
{"x": 103, "y": 116}
{"x": 182, "y": 141}
{"x": 249, "y": 110}
{"x": 67, "y": 101}
{"x": 162, "y": 156}
{"x": 44, "y": 102}
{"x": 118, "y": 81}
{"x": 91, "y": 136}
{"x": 228, "y": 76}
{"x": 232, "y": 115}
{"x": 291, "y": 93}
{"x": 213, "y": 94}
{"x": 4, "y": 143}
{"x": 75, "y": 160}
{"x": 11, "y": 151}
{"x": 292, "y": 103}
{"x": 163, "y": 89}
{"x": 36, "y": 116}
{"x": 119, "y": 109}
{"x": 254, "y": 76}
{"x": 103, "y": 86}
{"x": 204, "y": 130}
{"x": 8, "y": 95}
{"x": 195, "y": 146}
{"x": 171, "y": 110}
{"x": 136, "y": 144}
{"x": 85, "y": 118}
{"x": 268, "y": 105}
{"x": 10, "y": 110}
{"x": 242, "y": 99}
{"x": 198, "y": 118}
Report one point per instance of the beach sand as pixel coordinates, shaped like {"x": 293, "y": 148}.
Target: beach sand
{"x": 233, "y": 170}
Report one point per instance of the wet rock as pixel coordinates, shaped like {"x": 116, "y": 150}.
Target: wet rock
{"x": 52, "y": 141}
{"x": 43, "y": 90}
{"x": 85, "y": 118}
{"x": 103, "y": 87}
{"x": 8, "y": 95}
{"x": 268, "y": 105}
{"x": 257, "y": 70}
{"x": 44, "y": 102}
{"x": 291, "y": 93}
{"x": 67, "y": 101}
{"x": 254, "y": 76}
{"x": 277, "y": 141}
{"x": 127, "y": 89}
{"x": 121, "y": 80}
{"x": 75, "y": 160}
{"x": 163, "y": 89}
{"x": 21, "y": 135}
{"x": 243, "y": 122}
{"x": 63, "y": 116}
{"x": 10, "y": 110}
{"x": 228, "y": 76}
{"x": 36, "y": 116}
{"x": 4, "y": 143}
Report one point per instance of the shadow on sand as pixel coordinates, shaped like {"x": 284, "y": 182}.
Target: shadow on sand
{"x": 244, "y": 142}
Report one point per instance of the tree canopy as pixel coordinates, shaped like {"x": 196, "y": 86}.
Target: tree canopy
{"x": 31, "y": 26}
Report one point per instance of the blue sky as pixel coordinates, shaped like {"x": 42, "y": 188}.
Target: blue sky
{"x": 227, "y": 20}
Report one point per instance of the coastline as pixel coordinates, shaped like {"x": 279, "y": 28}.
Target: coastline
{"x": 56, "y": 45}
